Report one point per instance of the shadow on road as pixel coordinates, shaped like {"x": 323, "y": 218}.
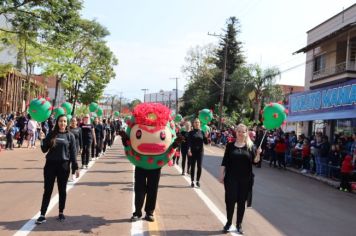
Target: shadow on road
{"x": 184, "y": 232}
{"x": 84, "y": 223}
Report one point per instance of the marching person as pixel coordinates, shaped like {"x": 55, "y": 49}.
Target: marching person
{"x": 88, "y": 136}
{"x": 236, "y": 174}
{"x": 184, "y": 147}
{"x": 196, "y": 140}
{"x": 60, "y": 147}
{"x": 77, "y": 132}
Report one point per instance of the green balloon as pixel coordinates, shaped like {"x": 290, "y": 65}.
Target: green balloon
{"x": 274, "y": 115}
{"x": 40, "y": 109}
{"x": 67, "y": 107}
{"x": 99, "y": 112}
{"x": 205, "y": 128}
{"x": 58, "y": 111}
{"x": 178, "y": 118}
{"x": 205, "y": 116}
{"x": 116, "y": 113}
{"x": 93, "y": 107}
{"x": 69, "y": 118}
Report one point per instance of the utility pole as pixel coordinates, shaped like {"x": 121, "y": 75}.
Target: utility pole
{"x": 177, "y": 109}
{"x": 144, "y": 94}
{"x": 222, "y": 91}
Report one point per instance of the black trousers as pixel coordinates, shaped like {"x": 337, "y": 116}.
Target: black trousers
{"x": 196, "y": 159}
{"x": 106, "y": 143}
{"x": 185, "y": 158}
{"x": 51, "y": 171}
{"x": 85, "y": 152}
{"x": 345, "y": 181}
{"x": 280, "y": 158}
{"x": 146, "y": 185}
{"x": 99, "y": 146}
{"x": 9, "y": 141}
{"x": 236, "y": 192}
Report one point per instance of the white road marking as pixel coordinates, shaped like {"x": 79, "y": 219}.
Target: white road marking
{"x": 30, "y": 225}
{"x": 137, "y": 226}
{"x": 213, "y": 208}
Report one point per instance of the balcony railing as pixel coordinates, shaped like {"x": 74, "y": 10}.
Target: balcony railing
{"x": 338, "y": 68}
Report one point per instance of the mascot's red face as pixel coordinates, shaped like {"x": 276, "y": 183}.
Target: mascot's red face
{"x": 149, "y": 140}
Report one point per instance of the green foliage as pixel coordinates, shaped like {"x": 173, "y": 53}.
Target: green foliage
{"x": 246, "y": 85}
{"x": 81, "y": 111}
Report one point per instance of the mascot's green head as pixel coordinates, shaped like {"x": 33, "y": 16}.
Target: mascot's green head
{"x": 151, "y": 131}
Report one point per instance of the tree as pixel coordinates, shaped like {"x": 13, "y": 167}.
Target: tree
{"x": 30, "y": 23}
{"x": 200, "y": 71}
{"x": 259, "y": 83}
{"x": 87, "y": 62}
{"x": 234, "y": 60}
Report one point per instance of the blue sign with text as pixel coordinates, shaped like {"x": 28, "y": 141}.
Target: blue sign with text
{"x": 337, "y": 97}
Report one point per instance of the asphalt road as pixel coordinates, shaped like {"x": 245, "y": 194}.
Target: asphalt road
{"x": 296, "y": 204}
{"x": 100, "y": 203}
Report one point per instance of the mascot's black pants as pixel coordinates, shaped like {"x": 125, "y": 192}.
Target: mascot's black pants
{"x": 146, "y": 184}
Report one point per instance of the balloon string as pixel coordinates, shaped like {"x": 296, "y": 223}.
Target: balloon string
{"x": 264, "y": 135}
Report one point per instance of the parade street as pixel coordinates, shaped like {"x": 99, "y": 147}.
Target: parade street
{"x": 100, "y": 203}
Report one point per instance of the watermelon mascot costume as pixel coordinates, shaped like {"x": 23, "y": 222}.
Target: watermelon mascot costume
{"x": 150, "y": 141}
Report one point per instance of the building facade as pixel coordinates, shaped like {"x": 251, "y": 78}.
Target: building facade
{"x": 329, "y": 103}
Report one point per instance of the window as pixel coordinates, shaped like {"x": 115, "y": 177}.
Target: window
{"x": 319, "y": 63}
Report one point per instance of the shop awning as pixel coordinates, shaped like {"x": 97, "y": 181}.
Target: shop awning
{"x": 346, "y": 114}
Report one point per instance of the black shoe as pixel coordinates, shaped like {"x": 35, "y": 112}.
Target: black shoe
{"x": 40, "y": 220}
{"x": 192, "y": 185}
{"x": 198, "y": 184}
{"x": 61, "y": 217}
{"x": 135, "y": 217}
{"x": 239, "y": 230}
{"x": 226, "y": 228}
{"x": 149, "y": 218}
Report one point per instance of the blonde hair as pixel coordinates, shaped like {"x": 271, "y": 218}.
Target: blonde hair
{"x": 247, "y": 140}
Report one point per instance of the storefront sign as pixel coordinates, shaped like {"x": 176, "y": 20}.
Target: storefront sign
{"x": 332, "y": 98}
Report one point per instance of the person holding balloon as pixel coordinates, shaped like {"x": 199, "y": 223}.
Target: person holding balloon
{"x": 236, "y": 174}
{"x": 60, "y": 147}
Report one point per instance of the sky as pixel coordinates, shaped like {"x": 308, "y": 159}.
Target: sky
{"x": 151, "y": 38}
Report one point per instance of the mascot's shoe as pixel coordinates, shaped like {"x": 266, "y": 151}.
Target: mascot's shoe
{"x": 149, "y": 218}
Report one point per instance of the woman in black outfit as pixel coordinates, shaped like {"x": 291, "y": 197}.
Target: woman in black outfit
{"x": 77, "y": 132}
{"x": 88, "y": 136}
{"x": 196, "y": 140}
{"x": 60, "y": 147}
{"x": 99, "y": 137}
{"x": 236, "y": 174}
{"x": 184, "y": 147}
